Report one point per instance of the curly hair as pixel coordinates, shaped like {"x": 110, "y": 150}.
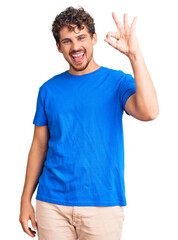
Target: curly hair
{"x": 70, "y": 15}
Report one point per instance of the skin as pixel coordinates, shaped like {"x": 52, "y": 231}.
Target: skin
{"x": 77, "y": 42}
{"x": 142, "y": 105}
{"x": 36, "y": 159}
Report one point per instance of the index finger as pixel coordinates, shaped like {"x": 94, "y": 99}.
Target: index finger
{"x": 26, "y": 229}
{"x": 116, "y": 20}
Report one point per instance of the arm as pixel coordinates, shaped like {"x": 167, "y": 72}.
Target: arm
{"x": 143, "y": 104}
{"x": 36, "y": 159}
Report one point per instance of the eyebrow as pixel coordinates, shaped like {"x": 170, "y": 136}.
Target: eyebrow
{"x": 82, "y": 35}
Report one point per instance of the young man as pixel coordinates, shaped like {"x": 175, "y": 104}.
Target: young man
{"x": 77, "y": 153}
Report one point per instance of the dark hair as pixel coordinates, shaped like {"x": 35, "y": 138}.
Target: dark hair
{"x": 69, "y": 16}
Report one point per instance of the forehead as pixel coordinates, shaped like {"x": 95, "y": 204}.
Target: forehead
{"x": 65, "y": 32}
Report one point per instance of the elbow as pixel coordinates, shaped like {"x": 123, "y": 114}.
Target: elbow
{"x": 153, "y": 112}
{"x": 153, "y": 115}
{"x": 149, "y": 115}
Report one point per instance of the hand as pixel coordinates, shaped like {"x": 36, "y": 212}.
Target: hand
{"x": 26, "y": 213}
{"x": 126, "y": 40}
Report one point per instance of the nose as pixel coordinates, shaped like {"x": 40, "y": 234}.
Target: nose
{"x": 75, "y": 46}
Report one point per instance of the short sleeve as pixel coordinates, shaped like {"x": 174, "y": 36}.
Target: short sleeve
{"x": 40, "y": 117}
{"x": 127, "y": 88}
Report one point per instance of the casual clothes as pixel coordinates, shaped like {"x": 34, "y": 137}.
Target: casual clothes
{"x": 84, "y": 164}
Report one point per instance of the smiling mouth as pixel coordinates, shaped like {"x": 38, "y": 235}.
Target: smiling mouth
{"x": 78, "y": 57}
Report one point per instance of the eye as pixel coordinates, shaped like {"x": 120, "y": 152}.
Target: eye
{"x": 66, "y": 41}
{"x": 80, "y": 38}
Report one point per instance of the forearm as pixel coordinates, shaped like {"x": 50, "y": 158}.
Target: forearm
{"x": 146, "y": 98}
{"x": 34, "y": 167}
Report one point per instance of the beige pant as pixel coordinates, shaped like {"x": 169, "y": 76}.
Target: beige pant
{"x": 60, "y": 222}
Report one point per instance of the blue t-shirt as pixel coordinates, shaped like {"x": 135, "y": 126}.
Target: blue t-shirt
{"x": 84, "y": 165}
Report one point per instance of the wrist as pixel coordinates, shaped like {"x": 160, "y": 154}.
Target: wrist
{"x": 135, "y": 55}
{"x": 25, "y": 198}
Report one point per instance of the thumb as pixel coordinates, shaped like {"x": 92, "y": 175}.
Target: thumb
{"x": 34, "y": 224}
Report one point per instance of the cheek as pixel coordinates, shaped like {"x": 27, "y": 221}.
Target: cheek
{"x": 65, "y": 51}
{"x": 88, "y": 46}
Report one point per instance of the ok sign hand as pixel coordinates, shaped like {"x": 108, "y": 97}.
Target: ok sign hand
{"x": 126, "y": 40}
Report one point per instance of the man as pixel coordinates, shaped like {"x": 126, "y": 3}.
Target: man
{"x": 77, "y": 152}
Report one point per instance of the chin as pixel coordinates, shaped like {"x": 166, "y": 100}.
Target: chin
{"x": 79, "y": 68}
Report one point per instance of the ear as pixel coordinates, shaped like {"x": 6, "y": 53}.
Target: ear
{"x": 58, "y": 47}
{"x": 94, "y": 39}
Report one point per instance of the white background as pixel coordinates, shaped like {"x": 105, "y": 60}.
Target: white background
{"x": 29, "y": 57}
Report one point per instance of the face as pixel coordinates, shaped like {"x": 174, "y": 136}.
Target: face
{"x": 77, "y": 48}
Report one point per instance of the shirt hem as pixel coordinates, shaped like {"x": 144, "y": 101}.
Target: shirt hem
{"x": 81, "y": 203}
{"x": 40, "y": 123}
{"x": 131, "y": 92}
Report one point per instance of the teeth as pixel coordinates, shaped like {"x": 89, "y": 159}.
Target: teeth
{"x": 77, "y": 55}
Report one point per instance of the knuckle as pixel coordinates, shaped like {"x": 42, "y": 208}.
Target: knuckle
{"x": 23, "y": 220}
